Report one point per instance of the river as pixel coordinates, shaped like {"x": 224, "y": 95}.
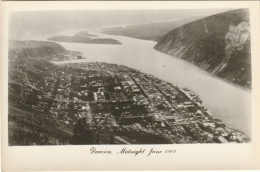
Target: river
{"x": 226, "y": 101}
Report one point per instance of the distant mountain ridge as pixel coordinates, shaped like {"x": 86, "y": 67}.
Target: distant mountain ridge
{"x": 153, "y": 31}
{"x": 219, "y": 44}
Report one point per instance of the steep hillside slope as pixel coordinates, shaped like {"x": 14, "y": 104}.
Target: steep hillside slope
{"x": 154, "y": 31}
{"x": 219, "y": 44}
{"x": 29, "y": 119}
{"x": 32, "y": 88}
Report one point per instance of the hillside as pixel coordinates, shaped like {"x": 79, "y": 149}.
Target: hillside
{"x": 219, "y": 44}
{"x": 38, "y": 50}
{"x": 28, "y": 124}
{"x": 154, "y": 31}
{"x": 32, "y": 86}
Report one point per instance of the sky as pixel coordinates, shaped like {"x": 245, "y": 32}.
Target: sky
{"x": 40, "y": 23}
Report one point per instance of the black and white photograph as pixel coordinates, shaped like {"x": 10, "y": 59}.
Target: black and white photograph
{"x": 129, "y": 77}
{"x": 130, "y": 85}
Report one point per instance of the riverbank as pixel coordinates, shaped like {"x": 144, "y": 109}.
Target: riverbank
{"x": 227, "y": 102}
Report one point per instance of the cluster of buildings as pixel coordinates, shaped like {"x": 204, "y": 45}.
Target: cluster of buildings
{"x": 120, "y": 105}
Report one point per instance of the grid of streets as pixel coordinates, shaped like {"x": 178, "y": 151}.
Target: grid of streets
{"x": 100, "y": 103}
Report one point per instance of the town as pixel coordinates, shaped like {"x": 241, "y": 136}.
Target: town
{"x": 100, "y": 103}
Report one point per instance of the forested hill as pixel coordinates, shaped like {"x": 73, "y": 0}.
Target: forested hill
{"x": 44, "y": 50}
{"x": 219, "y": 44}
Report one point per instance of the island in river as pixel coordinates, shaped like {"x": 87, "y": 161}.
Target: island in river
{"x": 83, "y": 37}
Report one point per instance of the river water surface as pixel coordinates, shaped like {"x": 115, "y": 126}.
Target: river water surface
{"x": 228, "y": 102}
